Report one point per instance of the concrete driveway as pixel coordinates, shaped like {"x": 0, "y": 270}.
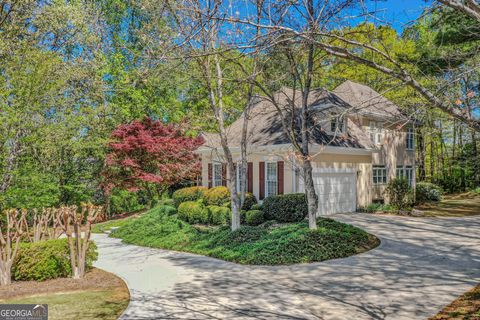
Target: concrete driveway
{"x": 421, "y": 265}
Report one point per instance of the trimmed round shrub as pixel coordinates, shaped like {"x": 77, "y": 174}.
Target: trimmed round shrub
{"x": 257, "y": 206}
{"x": 426, "y": 191}
{"x": 286, "y": 207}
{"x": 193, "y": 212}
{"x": 188, "y": 194}
{"x": 254, "y": 217}
{"x": 250, "y": 200}
{"x": 217, "y": 196}
{"x": 219, "y": 215}
{"x": 167, "y": 210}
{"x": 48, "y": 259}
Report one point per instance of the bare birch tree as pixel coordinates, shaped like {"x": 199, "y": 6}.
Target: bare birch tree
{"x": 204, "y": 44}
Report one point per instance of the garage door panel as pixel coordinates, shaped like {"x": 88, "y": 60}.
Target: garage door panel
{"x": 336, "y": 192}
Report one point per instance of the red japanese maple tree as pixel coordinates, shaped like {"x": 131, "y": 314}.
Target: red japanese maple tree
{"x": 149, "y": 152}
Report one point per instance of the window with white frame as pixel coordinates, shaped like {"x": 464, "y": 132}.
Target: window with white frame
{"x": 410, "y": 139}
{"x": 217, "y": 174}
{"x": 379, "y": 175}
{"x": 239, "y": 177}
{"x": 376, "y": 132}
{"x": 405, "y": 173}
{"x": 409, "y": 174}
{"x": 336, "y": 124}
{"x": 271, "y": 179}
{"x": 400, "y": 172}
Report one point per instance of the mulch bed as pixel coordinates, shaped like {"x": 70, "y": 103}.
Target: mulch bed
{"x": 95, "y": 279}
{"x": 466, "y": 306}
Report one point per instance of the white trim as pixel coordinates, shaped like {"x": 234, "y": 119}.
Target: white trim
{"x": 288, "y": 146}
{"x": 294, "y": 176}
{"x": 266, "y": 175}
{"x": 334, "y": 170}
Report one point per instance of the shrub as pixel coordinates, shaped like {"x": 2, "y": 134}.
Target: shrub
{"x": 122, "y": 201}
{"x": 257, "y": 206}
{"x": 48, "y": 259}
{"x": 193, "y": 212}
{"x": 377, "y": 207}
{"x": 167, "y": 202}
{"x": 399, "y": 193}
{"x": 254, "y": 217}
{"x": 250, "y": 200}
{"x": 425, "y": 191}
{"x": 188, "y": 194}
{"x": 217, "y": 196}
{"x": 219, "y": 215}
{"x": 286, "y": 208}
{"x": 167, "y": 210}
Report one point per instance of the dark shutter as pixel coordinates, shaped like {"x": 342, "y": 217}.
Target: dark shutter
{"x": 224, "y": 174}
{"x": 250, "y": 177}
{"x": 280, "y": 176}
{"x": 209, "y": 175}
{"x": 261, "y": 180}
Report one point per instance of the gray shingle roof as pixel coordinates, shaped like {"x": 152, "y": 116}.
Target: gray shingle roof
{"x": 265, "y": 126}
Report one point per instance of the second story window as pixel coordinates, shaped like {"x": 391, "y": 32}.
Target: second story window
{"x": 376, "y": 132}
{"x": 410, "y": 143}
{"x": 336, "y": 124}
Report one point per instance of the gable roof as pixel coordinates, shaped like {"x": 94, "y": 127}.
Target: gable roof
{"x": 365, "y": 100}
{"x": 265, "y": 125}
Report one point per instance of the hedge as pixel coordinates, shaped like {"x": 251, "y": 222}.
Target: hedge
{"x": 250, "y": 201}
{"x": 193, "y": 212}
{"x": 188, "y": 194}
{"x": 219, "y": 215}
{"x": 48, "y": 259}
{"x": 286, "y": 207}
{"x": 254, "y": 217}
{"x": 217, "y": 196}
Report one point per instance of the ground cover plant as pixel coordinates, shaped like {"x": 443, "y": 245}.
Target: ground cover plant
{"x": 270, "y": 243}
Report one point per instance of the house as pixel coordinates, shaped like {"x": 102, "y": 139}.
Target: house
{"x": 359, "y": 140}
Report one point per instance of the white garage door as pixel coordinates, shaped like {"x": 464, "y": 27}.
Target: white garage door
{"x": 336, "y": 191}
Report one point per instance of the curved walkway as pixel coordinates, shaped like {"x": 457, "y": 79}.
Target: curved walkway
{"x": 421, "y": 265}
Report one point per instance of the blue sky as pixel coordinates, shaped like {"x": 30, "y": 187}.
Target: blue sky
{"x": 397, "y": 13}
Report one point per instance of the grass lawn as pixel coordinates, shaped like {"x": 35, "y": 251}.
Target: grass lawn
{"x": 453, "y": 206}
{"x": 270, "y": 243}
{"x": 101, "y": 295}
{"x": 465, "y": 307}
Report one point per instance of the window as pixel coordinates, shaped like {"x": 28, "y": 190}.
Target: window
{"x": 239, "y": 176}
{"x": 405, "y": 173}
{"x": 217, "y": 174}
{"x": 376, "y": 132}
{"x": 400, "y": 173}
{"x": 379, "y": 175}
{"x": 410, "y": 140}
{"x": 336, "y": 124}
{"x": 271, "y": 179}
{"x": 409, "y": 174}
